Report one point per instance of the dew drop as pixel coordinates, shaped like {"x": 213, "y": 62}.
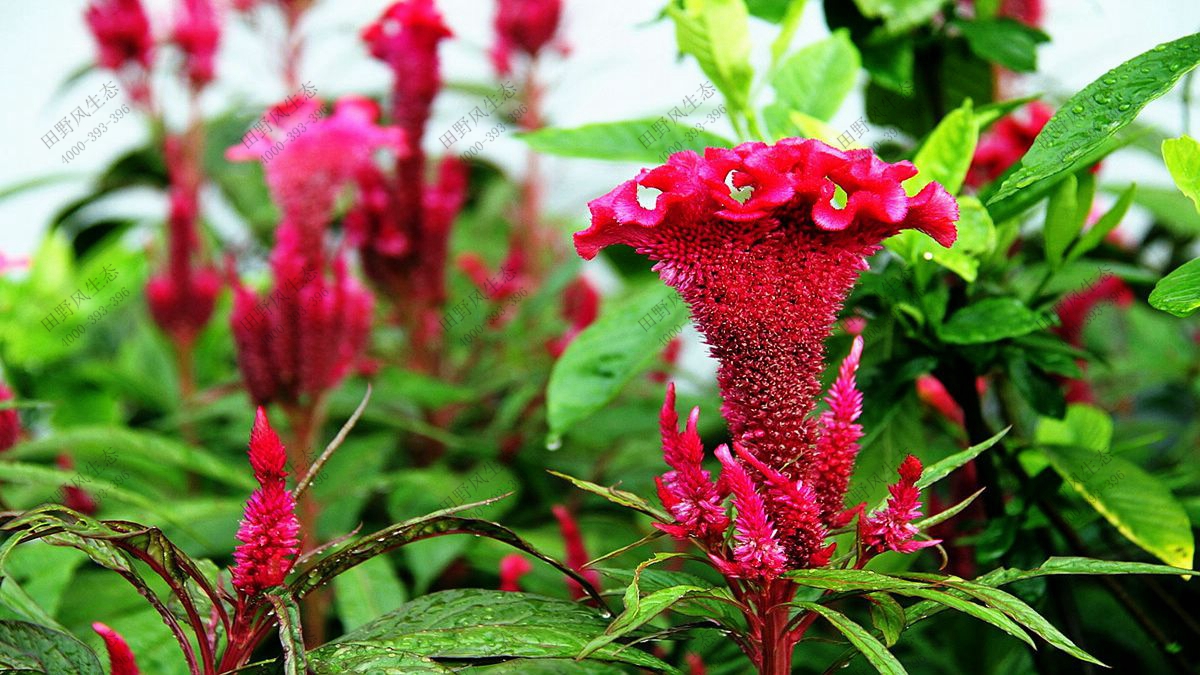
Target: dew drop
{"x": 553, "y": 442}
{"x": 1077, "y": 109}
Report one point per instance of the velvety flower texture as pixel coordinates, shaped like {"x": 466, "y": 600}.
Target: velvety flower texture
{"x": 891, "y": 528}
{"x": 197, "y": 33}
{"x": 525, "y": 26}
{"x": 122, "y": 33}
{"x": 10, "y": 422}
{"x": 766, "y": 271}
{"x": 269, "y": 530}
{"x": 577, "y": 556}
{"x": 120, "y": 656}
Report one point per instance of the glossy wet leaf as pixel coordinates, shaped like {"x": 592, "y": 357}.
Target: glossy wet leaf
{"x": 815, "y": 79}
{"x": 991, "y": 320}
{"x": 717, "y": 34}
{"x": 30, "y": 648}
{"x": 873, "y": 650}
{"x": 1182, "y": 156}
{"x": 641, "y": 140}
{"x": 1178, "y": 293}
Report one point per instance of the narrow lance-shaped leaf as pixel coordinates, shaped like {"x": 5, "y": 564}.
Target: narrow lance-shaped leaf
{"x": 874, "y": 651}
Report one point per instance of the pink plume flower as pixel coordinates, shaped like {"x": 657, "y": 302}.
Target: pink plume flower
{"x": 269, "y": 530}
{"x": 122, "y": 33}
{"x": 687, "y": 491}
{"x": 512, "y": 568}
{"x": 406, "y": 37}
{"x": 1075, "y": 310}
{"x": 933, "y": 393}
{"x": 10, "y": 421}
{"x": 766, "y": 271}
{"x": 120, "y": 656}
{"x": 304, "y": 336}
{"x": 580, "y": 307}
{"x": 197, "y": 33}
{"x": 891, "y": 528}
{"x": 757, "y": 553}
{"x": 837, "y": 446}
{"x": 523, "y": 26}
{"x": 181, "y": 298}
{"x": 577, "y": 557}
{"x": 321, "y": 156}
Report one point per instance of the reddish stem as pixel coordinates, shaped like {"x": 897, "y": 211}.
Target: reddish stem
{"x": 306, "y": 423}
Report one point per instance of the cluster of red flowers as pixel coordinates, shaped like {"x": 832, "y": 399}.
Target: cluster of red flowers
{"x": 524, "y": 26}
{"x": 269, "y": 530}
{"x": 753, "y": 240}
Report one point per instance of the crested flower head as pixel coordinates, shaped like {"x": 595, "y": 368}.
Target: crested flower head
{"x": 181, "y": 298}
{"x": 197, "y": 33}
{"x": 577, "y": 557}
{"x": 688, "y": 491}
{"x": 10, "y": 422}
{"x": 120, "y": 656}
{"x": 305, "y": 335}
{"x": 753, "y": 240}
{"x": 525, "y": 26}
{"x": 512, "y": 567}
{"x": 321, "y": 156}
{"x": 269, "y": 530}
{"x": 891, "y": 528}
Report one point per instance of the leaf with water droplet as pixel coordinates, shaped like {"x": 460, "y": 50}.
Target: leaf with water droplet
{"x": 1073, "y": 138}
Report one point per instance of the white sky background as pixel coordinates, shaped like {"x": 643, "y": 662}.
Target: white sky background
{"x": 621, "y": 67}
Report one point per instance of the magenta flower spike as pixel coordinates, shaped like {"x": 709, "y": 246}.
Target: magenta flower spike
{"x": 120, "y": 656}
{"x": 524, "y": 26}
{"x": 197, "y": 33}
{"x": 891, "y": 528}
{"x": 269, "y": 530}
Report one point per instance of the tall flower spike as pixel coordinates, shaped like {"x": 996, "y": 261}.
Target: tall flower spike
{"x": 123, "y": 40}
{"x": 757, "y": 552}
{"x": 837, "y": 446}
{"x": 577, "y": 556}
{"x": 795, "y": 509}
{"x": 120, "y": 656}
{"x": 182, "y": 297}
{"x": 753, "y": 241}
{"x": 891, "y": 528}
{"x": 269, "y": 530}
{"x": 688, "y": 492}
{"x": 512, "y": 567}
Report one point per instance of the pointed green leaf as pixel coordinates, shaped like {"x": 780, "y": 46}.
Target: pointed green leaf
{"x": 1061, "y": 224}
{"x": 987, "y": 615}
{"x": 28, "y": 648}
{"x": 717, "y": 34}
{"x": 816, "y": 79}
{"x": 888, "y": 616}
{"x": 940, "y": 469}
{"x": 364, "y": 592}
{"x": 1178, "y": 293}
{"x": 1182, "y": 156}
{"x": 1107, "y": 223}
{"x": 991, "y": 320}
{"x": 629, "y": 140}
{"x": 874, "y": 651}
{"x": 619, "y": 497}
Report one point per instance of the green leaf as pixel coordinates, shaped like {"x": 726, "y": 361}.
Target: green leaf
{"x": 887, "y": 616}
{"x": 816, "y": 79}
{"x": 482, "y": 624}
{"x": 619, "y": 497}
{"x": 987, "y": 615}
{"x": 717, "y": 33}
{"x": 1182, "y": 156}
{"x": 1004, "y": 41}
{"x": 874, "y": 651}
{"x": 1107, "y": 223}
{"x": 939, "y": 470}
{"x": 991, "y": 320}
{"x": 1178, "y": 293}
{"x": 1026, "y": 616}
{"x": 771, "y": 10}
{"x": 900, "y": 15}
{"x": 631, "y": 140}
{"x": 30, "y": 648}
{"x": 545, "y": 667}
{"x": 1170, "y": 209}
{"x": 1061, "y": 224}
{"x": 976, "y": 238}
{"x": 602, "y": 359}
{"x": 365, "y": 658}
{"x": 1139, "y": 505}
{"x": 1090, "y": 118}
{"x": 364, "y": 592}
{"x": 947, "y": 514}
{"x": 946, "y": 154}
{"x": 1084, "y": 426}
{"x": 788, "y": 24}
{"x": 850, "y": 580}
{"x": 287, "y": 613}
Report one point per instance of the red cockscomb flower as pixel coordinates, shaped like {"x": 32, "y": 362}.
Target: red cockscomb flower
{"x": 577, "y": 557}
{"x": 197, "y": 33}
{"x": 891, "y": 528}
{"x": 1075, "y": 310}
{"x": 1006, "y": 142}
{"x": 523, "y": 25}
{"x": 269, "y": 530}
{"x": 10, "y": 421}
{"x": 754, "y": 243}
{"x": 120, "y": 656}
{"x": 122, "y": 33}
